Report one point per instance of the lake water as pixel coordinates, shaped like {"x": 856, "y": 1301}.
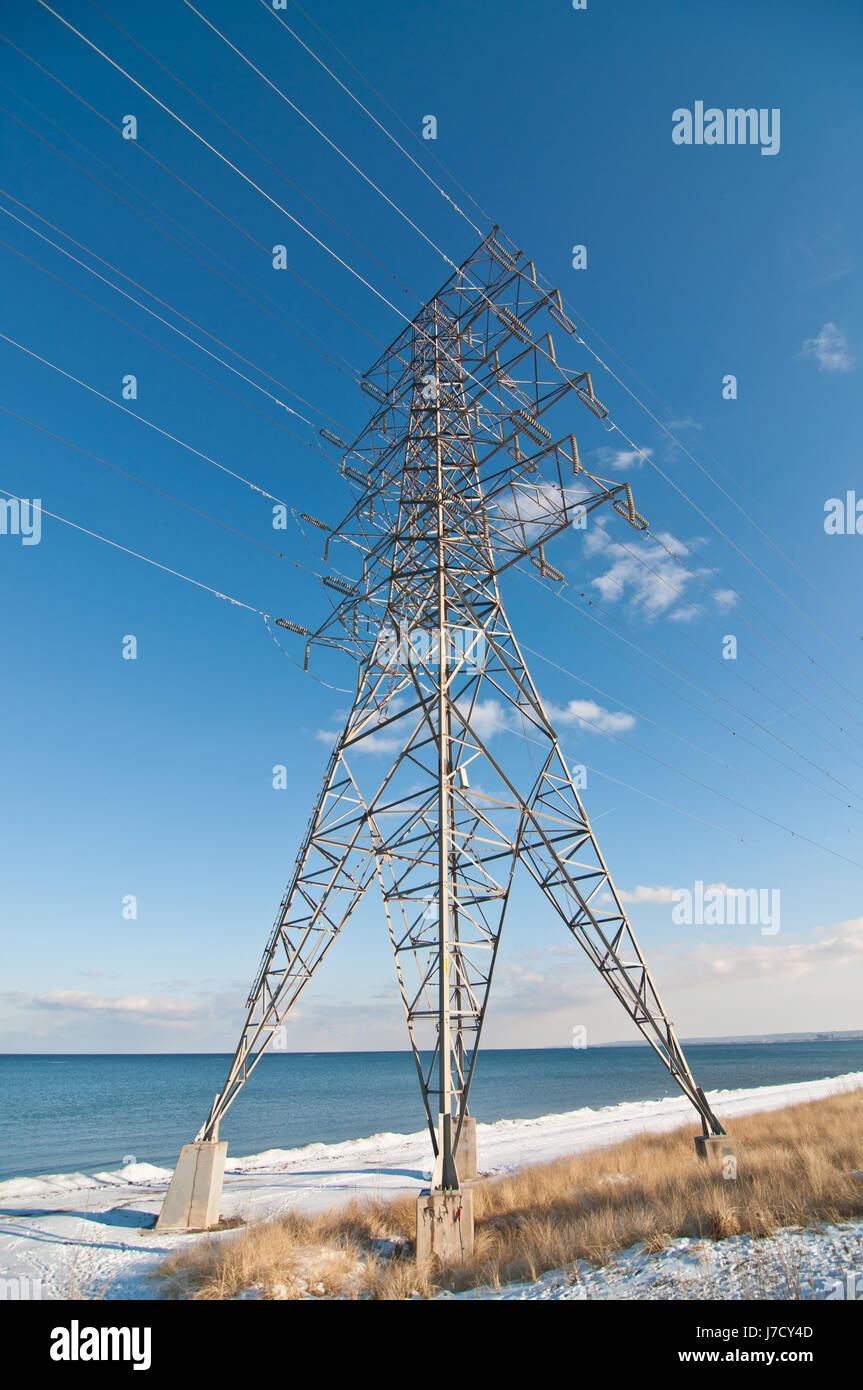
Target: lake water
{"x": 88, "y": 1113}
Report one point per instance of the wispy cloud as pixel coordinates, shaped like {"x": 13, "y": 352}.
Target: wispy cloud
{"x": 830, "y": 349}
{"x": 138, "y": 1008}
{"x": 834, "y": 948}
{"x": 670, "y": 449}
{"x": 594, "y": 718}
{"x": 488, "y": 717}
{"x": 743, "y": 986}
{"x": 645, "y": 894}
{"x": 817, "y": 258}
{"x": 372, "y": 743}
{"x": 645, "y": 577}
{"x": 620, "y": 460}
{"x": 726, "y": 598}
{"x": 391, "y": 740}
{"x": 524, "y": 991}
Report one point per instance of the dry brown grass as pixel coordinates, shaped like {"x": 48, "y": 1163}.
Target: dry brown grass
{"x": 796, "y": 1167}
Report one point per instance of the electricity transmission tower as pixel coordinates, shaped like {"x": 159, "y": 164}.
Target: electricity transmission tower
{"x": 456, "y": 479}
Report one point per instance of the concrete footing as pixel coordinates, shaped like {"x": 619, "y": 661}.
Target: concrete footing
{"x": 195, "y": 1192}
{"x": 445, "y": 1226}
{"x": 719, "y": 1150}
{"x": 465, "y": 1155}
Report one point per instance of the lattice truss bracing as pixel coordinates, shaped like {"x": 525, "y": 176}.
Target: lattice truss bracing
{"x": 457, "y": 477}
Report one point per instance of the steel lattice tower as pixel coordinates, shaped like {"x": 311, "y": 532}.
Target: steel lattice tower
{"x": 456, "y": 479}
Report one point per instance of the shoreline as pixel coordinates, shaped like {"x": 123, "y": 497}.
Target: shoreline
{"x": 89, "y": 1236}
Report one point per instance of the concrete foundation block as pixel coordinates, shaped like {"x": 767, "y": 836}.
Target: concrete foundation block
{"x": 720, "y": 1151}
{"x": 465, "y": 1155}
{"x": 195, "y": 1192}
{"x": 445, "y": 1226}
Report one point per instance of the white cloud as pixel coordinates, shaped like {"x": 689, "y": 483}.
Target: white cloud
{"x": 588, "y": 715}
{"x": 671, "y": 445}
{"x": 643, "y": 575}
{"x": 726, "y": 598}
{"x": 830, "y": 349}
{"x": 139, "y": 1008}
{"x": 661, "y": 893}
{"x": 620, "y": 460}
{"x": 488, "y": 717}
{"x": 713, "y": 990}
{"x": 523, "y": 992}
{"x": 830, "y": 949}
{"x": 645, "y": 894}
{"x": 372, "y": 743}
{"x": 656, "y": 590}
{"x": 391, "y": 741}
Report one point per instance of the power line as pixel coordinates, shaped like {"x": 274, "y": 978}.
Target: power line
{"x": 307, "y": 231}
{"x": 138, "y": 480}
{"x": 160, "y": 492}
{"x": 146, "y": 336}
{"x": 307, "y": 336}
{"x": 700, "y": 578}
{"x": 752, "y": 605}
{"x": 144, "y": 421}
{"x": 670, "y": 805}
{"x": 323, "y": 135}
{"x": 720, "y": 531}
{"x": 249, "y": 145}
{"x": 309, "y": 422}
{"x": 690, "y": 815}
{"x": 237, "y": 170}
{"x": 679, "y": 592}
{"x": 696, "y": 683}
{"x": 201, "y": 348}
{"x": 714, "y": 790}
{"x": 665, "y": 429}
{"x": 356, "y": 167}
{"x": 705, "y": 751}
{"x": 382, "y": 99}
{"x": 672, "y": 733}
{"x": 303, "y": 228}
{"x": 121, "y": 273}
{"x": 237, "y": 603}
{"x": 141, "y": 148}
{"x": 281, "y": 19}
{"x": 676, "y": 441}
{"x": 639, "y": 791}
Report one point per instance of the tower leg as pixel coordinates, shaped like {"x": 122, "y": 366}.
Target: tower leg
{"x": 445, "y": 1226}
{"x": 720, "y": 1150}
{"x": 466, "y": 1151}
{"x": 445, "y": 1175}
{"x": 445, "y": 1213}
{"x": 560, "y": 851}
{"x": 195, "y": 1192}
{"x": 331, "y": 874}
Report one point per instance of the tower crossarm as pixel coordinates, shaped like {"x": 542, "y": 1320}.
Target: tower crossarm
{"x": 475, "y": 374}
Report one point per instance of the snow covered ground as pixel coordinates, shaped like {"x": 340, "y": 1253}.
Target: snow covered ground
{"x": 826, "y": 1263}
{"x": 91, "y": 1236}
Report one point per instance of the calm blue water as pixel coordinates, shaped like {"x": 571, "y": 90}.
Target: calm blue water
{"x": 69, "y": 1113}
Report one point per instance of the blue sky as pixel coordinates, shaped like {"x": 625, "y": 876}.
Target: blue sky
{"x": 153, "y": 777}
